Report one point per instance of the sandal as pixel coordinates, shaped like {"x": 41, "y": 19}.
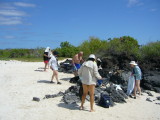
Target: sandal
{"x": 59, "y": 83}
{"x": 134, "y": 97}
{"x": 51, "y": 82}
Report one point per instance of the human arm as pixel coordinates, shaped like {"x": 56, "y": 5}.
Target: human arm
{"x": 95, "y": 71}
{"x": 45, "y": 54}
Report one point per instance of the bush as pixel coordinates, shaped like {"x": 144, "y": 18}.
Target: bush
{"x": 67, "y": 50}
{"x": 22, "y": 53}
{"x": 93, "y": 45}
{"x": 125, "y": 44}
{"x": 150, "y": 51}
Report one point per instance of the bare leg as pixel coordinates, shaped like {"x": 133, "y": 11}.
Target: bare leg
{"x": 85, "y": 92}
{"x": 91, "y": 93}
{"x": 48, "y": 65}
{"x": 135, "y": 88}
{"x": 52, "y": 77}
{"x": 138, "y": 87}
{"x": 55, "y": 72}
{"x": 45, "y": 66}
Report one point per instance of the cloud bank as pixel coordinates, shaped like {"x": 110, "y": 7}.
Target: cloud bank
{"x": 11, "y": 14}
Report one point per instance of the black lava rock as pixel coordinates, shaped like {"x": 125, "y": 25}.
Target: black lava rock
{"x": 36, "y": 99}
{"x": 158, "y": 98}
{"x": 74, "y": 79}
{"x": 149, "y": 93}
{"x": 149, "y": 100}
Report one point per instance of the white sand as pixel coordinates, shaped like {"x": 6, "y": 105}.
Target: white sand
{"x": 19, "y": 83}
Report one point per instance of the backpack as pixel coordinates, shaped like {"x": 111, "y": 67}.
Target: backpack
{"x": 105, "y": 101}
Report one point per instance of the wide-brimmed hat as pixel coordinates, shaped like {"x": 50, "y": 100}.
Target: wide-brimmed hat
{"x": 133, "y": 63}
{"x": 92, "y": 56}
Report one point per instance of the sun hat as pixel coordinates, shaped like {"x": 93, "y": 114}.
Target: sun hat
{"x": 47, "y": 49}
{"x": 133, "y": 63}
{"x": 92, "y": 56}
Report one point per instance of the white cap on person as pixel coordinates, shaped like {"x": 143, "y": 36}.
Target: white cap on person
{"x": 92, "y": 56}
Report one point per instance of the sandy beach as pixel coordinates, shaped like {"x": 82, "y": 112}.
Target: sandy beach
{"x": 21, "y": 81}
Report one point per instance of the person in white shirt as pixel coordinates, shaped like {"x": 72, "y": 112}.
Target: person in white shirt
{"x": 89, "y": 75}
{"x": 53, "y": 63}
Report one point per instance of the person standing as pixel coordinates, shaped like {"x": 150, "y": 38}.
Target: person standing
{"x": 53, "y": 63}
{"x": 76, "y": 62}
{"x": 136, "y": 72}
{"x": 46, "y": 57}
{"x": 89, "y": 75}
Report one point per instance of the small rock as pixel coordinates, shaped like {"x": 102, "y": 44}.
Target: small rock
{"x": 157, "y": 103}
{"x": 36, "y": 99}
{"x": 149, "y": 93}
{"x": 158, "y": 98}
{"x": 149, "y": 100}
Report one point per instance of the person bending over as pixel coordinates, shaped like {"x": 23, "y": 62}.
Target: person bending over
{"x": 136, "y": 72}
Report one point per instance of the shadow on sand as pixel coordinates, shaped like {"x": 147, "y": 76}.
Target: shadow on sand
{"x": 65, "y": 79}
{"x": 39, "y": 70}
{"x": 44, "y": 81}
{"x": 70, "y": 106}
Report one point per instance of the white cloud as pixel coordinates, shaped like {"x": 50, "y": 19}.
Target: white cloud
{"x": 10, "y": 20}
{"x": 132, "y": 3}
{"x": 8, "y": 37}
{"x": 153, "y": 10}
{"x": 22, "y": 4}
{"x": 12, "y": 13}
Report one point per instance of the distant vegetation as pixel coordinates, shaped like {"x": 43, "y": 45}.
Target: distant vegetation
{"x": 125, "y": 44}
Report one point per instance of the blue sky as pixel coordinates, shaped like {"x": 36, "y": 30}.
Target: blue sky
{"x": 42, "y": 23}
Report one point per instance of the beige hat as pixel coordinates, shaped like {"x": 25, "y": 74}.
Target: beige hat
{"x": 133, "y": 63}
{"x": 92, "y": 56}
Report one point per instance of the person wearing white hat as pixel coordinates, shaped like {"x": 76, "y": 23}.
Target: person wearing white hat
{"x": 136, "y": 72}
{"x": 46, "y": 57}
{"x": 89, "y": 74}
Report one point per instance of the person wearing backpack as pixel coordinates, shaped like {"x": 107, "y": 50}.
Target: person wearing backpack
{"x": 89, "y": 75}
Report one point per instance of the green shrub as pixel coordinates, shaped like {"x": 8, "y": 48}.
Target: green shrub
{"x": 67, "y": 50}
{"x": 151, "y": 50}
{"x": 93, "y": 45}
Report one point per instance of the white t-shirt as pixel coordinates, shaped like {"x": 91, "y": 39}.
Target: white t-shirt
{"x": 53, "y": 63}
